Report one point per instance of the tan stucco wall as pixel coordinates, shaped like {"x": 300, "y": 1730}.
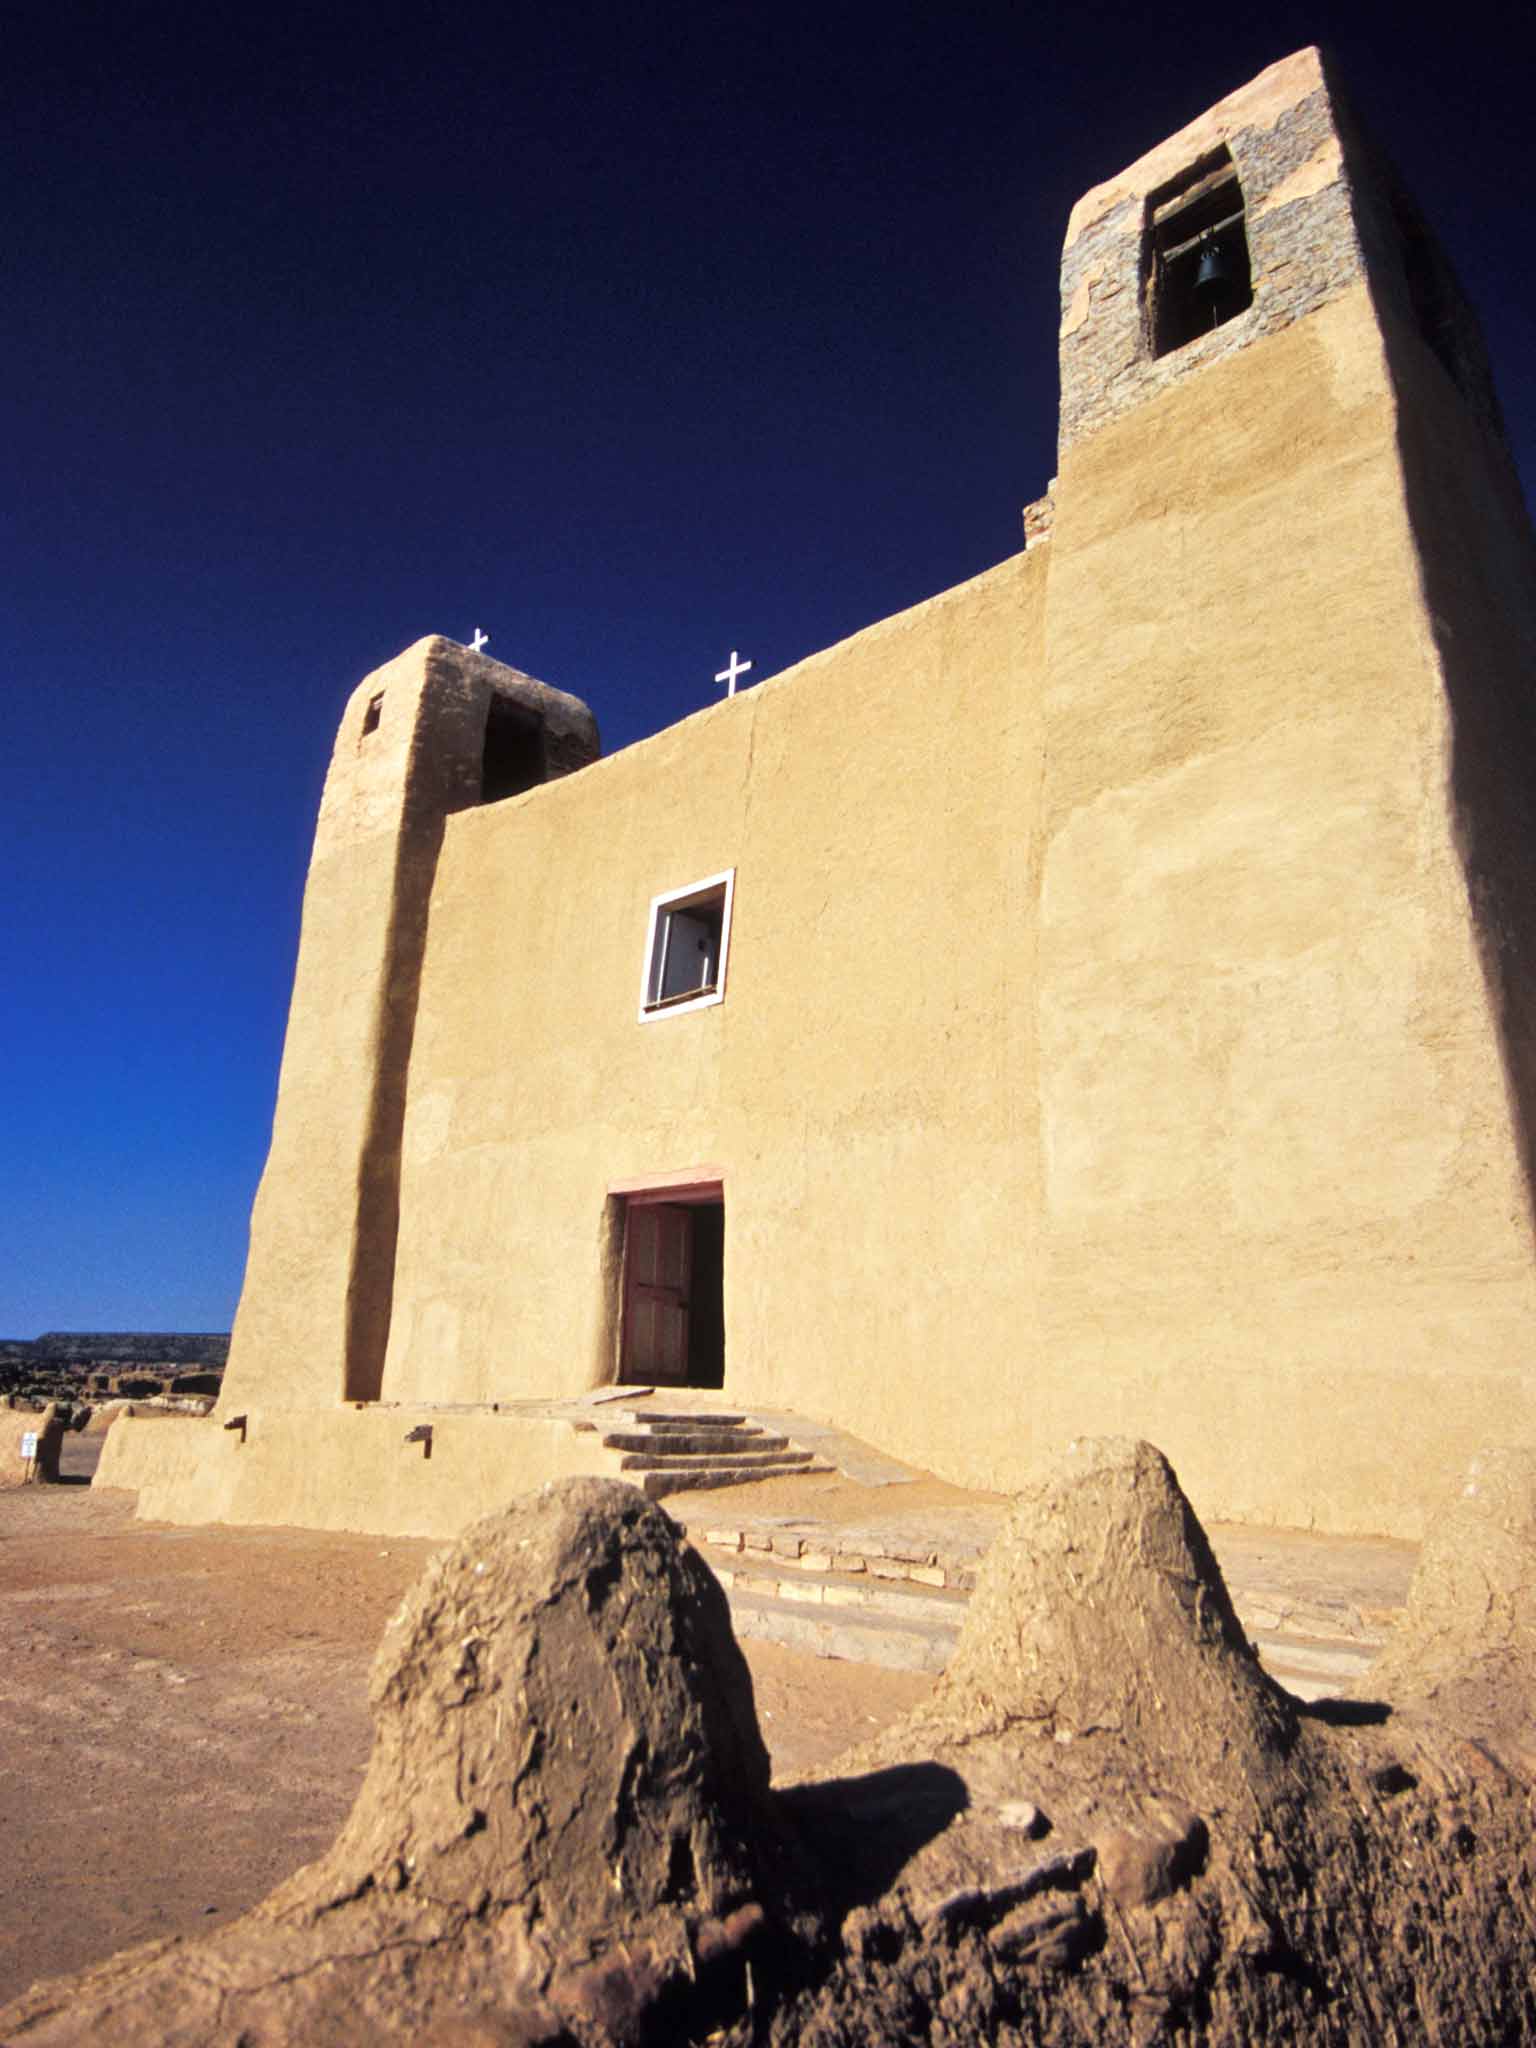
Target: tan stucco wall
{"x": 341, "y": 1468}
{"x": 1286, "y": 1226}
{"x": 314, "y": 1311}
{"x": 317, "y": 1275}
{"x": 867, "y": 1087}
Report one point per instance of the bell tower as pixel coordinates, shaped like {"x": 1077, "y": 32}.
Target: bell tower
{"x": 1286, "y": 953}
{"x": 439, "y": 729}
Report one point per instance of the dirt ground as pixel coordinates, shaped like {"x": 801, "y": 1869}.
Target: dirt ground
{"x": 184, "y": 1721}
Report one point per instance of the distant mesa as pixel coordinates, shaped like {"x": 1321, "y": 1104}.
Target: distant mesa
{"x": 144, "y": 1347}
{"x": 134, "y": 1364}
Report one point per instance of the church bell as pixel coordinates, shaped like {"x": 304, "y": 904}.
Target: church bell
{"x": 1213, "y": 273}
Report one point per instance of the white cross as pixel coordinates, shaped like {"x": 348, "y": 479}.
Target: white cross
{"x": 734, "y": 668}
{"x": 479, "y": 641}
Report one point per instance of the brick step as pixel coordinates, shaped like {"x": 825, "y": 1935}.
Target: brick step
{"x": 703, "y": 1442}
{"x": 755, "y": 1550}
{"x": 762, "y": 1579}
{"x": 690, "y": 1461}
{"x": 865, "y": 1606}
{"x": 899, "y": 1629}
{"x": 894, "y": 1628}
{"x": 702, "y": 1476}
{"x": 857, "y": 1635}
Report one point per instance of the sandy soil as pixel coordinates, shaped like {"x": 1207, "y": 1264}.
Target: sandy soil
{"x": 183, "y": 1713}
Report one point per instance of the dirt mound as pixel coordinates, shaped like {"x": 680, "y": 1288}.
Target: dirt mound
{"x": 1106, "y": 1826}
{"x": 1101, "y": 1608}
{"x": 556, "y": 1827}
{"x": 1466, "y": 1646}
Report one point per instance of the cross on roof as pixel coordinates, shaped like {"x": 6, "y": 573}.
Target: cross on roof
{"x": 479, "y": 641}
{"x": 734, "y": 667}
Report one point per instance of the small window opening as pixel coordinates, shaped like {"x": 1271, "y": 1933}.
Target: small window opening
{"x": 1197, "y": 274}
{"x": 371, "y": 715}
{"x": 685, "y": 947}
{"x": 685, "y": 961}
{"x": 513, "y": 759}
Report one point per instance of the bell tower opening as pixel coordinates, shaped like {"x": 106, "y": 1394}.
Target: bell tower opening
{"x": 513, "y": 757}
{"x": 1196, "y": 273}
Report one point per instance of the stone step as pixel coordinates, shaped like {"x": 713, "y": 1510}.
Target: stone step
{"x": 788, "y": 1589}
{"x": 1263, "y": 1613}
{"x": 689, "y": 1461}
{"x": 916, "y": 1643}
{"x": 681, "y": 1418}
{"x": 843, "y": 1591}
{"x": 696, "y": 1476}
{"x": 1314, "y": 1670}
{"x": 906, "y": 1631}
{"x": 684, "y": 1425}
{"x": 1323, "y": 1659}
{"x": 894, "y": 1629}
{"x": 831, "y": 1549}
{"x": 702, "y": 1442}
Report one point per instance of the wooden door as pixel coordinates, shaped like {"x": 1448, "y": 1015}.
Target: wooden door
{"x": 658, "y": 1244}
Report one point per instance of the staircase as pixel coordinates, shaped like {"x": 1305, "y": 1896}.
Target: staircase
{"x": 892, "y": 1588}
{"x": 835, "y": 1593}
{"x": 664, "y": 1451}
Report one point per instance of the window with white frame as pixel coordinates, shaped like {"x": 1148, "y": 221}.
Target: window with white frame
{"x": 685, "y": 948}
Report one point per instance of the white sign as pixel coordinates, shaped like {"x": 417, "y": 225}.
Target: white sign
{"x": 29, "y": 1444}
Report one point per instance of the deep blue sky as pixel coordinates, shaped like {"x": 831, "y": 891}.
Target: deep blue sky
{"x": 629, "y": 333}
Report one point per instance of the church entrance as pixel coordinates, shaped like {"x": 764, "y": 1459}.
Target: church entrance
{"x": 672, "y": 1330}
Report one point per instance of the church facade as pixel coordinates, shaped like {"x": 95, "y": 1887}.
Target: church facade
{"x": 1099, "y": 999}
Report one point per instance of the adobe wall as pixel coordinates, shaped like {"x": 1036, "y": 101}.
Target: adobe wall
{"x": 343, "y": 1468}
{"x": 1287, "y": 1228}
{"x": 867, "y": 1089}
{"x": 314, "y": 1308}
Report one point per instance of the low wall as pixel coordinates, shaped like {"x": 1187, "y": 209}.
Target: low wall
{"x": 343, "y": 1468}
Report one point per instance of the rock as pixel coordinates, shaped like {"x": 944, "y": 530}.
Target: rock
{"x": 1047, "y": 1933}
{"x": 1140, "y": 1866}
{"x": 1024, "y": 1815}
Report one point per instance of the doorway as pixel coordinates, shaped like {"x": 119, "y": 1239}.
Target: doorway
{"x": 672, "y": 1317}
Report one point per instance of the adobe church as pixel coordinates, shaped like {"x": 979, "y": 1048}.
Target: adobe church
{"x": 1099, "y": 999}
